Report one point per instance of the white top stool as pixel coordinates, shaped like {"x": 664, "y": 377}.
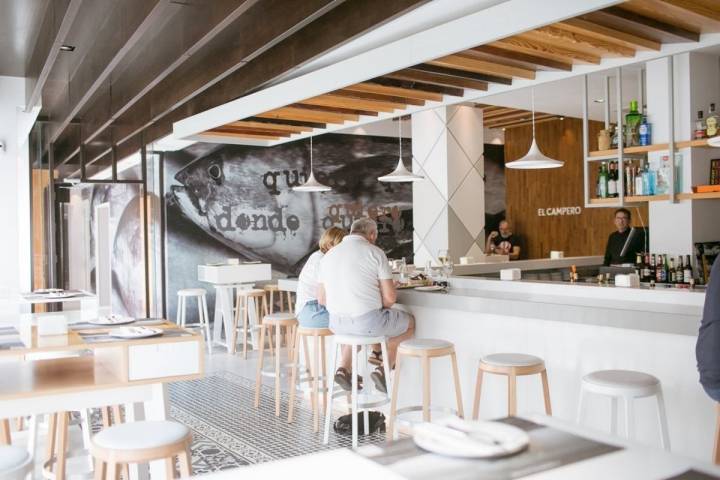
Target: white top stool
{"x": 363, "y": 401}
{"x": 203, "y": 320}
{"x": 628, "y": 385}
{"x": 15, "y": 463}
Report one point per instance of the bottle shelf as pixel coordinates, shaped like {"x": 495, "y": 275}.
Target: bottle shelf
{"x": 646, "y": 198}
{"x": 654, "y": 198}
{"x": 605, "y": 201}
{"x": 698, "y": 196}
{"x": 608, "y": 154}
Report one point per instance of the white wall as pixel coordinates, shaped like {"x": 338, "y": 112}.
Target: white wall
{"x": 14, "y": 189}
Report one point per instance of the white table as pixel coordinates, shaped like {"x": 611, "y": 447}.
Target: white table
{"x": 225, "y": 279}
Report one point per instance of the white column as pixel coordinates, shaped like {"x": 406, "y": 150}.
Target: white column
{"x": 449, "y": 205}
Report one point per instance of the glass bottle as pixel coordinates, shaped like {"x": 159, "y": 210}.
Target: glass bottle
{"x": 700, "y": 126}
{"x": 603, "y": 179}
{"x": 712, "y": 122}
{"x": 687, "y": 271}
{"x": 632, "y": 125}
{"x": 612, "y": 191}
{"x": 645, "y": 131}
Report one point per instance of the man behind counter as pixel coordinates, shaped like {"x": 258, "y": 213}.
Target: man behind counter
{"x": 624, "y": 244}
{"x": 504, "y": 242}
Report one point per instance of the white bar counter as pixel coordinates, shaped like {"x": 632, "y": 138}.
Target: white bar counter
{"x": 527, "y": 265}
{"x": 576, "y": 329}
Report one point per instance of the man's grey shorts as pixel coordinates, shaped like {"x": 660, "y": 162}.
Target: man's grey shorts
{"x": 385, "y": 322}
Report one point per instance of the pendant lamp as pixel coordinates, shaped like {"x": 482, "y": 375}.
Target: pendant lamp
{"x": 534, "y": 158}
{"x": 311, "y": 185}
{"x": 400, "y": 174}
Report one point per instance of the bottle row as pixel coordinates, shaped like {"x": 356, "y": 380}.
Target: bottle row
{"x": 706, "y": 127}
{"x": 661, "y": 268}
{"x": 636, "y": 131}
{"x": 642, "y": 177}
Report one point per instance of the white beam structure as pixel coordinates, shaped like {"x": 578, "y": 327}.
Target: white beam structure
{"x": 496, "y": 22}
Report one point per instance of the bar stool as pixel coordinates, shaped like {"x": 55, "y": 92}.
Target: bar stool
{"x": 243, "y": 308}
{"x": 203, "y": 320}
{"x": 277, "y": 320}
{"x": 142, "y": 442}
{"x": 628, "y": 385}
{"x": 358, "y": 402}
{"x": 271, "y": 290}
{"x": 318, "y": 370}
{"x": 15, "y": 463}
{"x": 424, "y": 349}
{"x": 512, "y": 365}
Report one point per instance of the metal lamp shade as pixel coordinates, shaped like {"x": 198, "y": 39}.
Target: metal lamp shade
{"x": 400, "y": 174}
{"x": 534, "y": 159}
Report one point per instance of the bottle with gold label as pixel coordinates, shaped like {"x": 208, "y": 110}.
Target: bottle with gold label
{"x": 712, "y": 122}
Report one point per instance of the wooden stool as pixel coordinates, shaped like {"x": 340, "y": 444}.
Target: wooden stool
{"x": 277, "y": 320}
{"x": 512, "y": 365}
{"x": 424, "y": 349}
{"x": 358, "y": 401}
{"x": 628, "y": 385}
{"x": 271, "y": 290}
{"x": 243, "y": 308}
{"x": 141, "y": 442}
{"x": 203, "y": 322}
{"x": 15, "y": 463}
{"x": 318, "y": 370}
{"x": 5, "y": 432}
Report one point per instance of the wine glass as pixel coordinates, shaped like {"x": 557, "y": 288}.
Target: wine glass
{"x": 443, "y": 256}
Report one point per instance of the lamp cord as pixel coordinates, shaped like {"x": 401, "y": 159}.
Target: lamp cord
{"x": 400, "y": 135}
{"x": 311, "y": 156}
{"x": 532, "y": 101}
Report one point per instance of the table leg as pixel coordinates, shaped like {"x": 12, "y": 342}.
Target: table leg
{"x": 134, "y": 412}
{"x": 217, "y": 319}
{"x": 158, "y": 409}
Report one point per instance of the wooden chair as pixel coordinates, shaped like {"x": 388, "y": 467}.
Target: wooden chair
{"x": 511, "y": 365}
{"x": 243, "y": 309}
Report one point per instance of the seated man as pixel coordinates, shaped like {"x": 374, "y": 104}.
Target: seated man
{"x": 504, "y": 242}
{"x": 357, "y": 288}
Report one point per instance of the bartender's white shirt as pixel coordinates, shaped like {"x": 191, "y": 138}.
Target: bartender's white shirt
{"x": 308, "y": 281}
{"x": 351, "y": 272}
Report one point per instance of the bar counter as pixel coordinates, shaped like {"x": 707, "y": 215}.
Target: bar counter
{"x": 576, "y": 329}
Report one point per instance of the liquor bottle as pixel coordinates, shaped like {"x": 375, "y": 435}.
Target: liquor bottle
{"x": 612, "y": 181}
{"x": 639, "y": 265}
{"x": 700, "y": 126}
{"x": 597, "y": 184}
{"x": 666, "y": 271}
{"x": 647, "y": 273}
{"x": 603, "y": 179}
{"x": 645, "y": 131}
{"x": 679, "y": 271}
{"x": 638, "y": 182}
{"x": 712, "y": 122}
{"x": 671, "y": 271}
{"x": 687, "y": 271}
{"x": 632, "y": 125}
{"x": 658, "y": 269}
{"x": 629, "y": 180}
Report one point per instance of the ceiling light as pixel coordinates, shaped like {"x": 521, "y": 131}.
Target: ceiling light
{"x": 311, "y": 185}
{"x": 67, "y": 48}
{"x": 562, "y": 118}
{"x": 400, "y": 174}
{"x": 534, "y": 158}
{"x": 599, "y": 100}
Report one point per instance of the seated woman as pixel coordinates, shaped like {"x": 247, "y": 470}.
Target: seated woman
{"x": 309, "y": 313}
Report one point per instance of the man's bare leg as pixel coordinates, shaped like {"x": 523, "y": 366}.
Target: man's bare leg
{"x": 394, "y": 342}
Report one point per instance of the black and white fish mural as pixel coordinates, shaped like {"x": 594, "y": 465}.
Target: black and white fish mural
{"x": 237, "y": 201}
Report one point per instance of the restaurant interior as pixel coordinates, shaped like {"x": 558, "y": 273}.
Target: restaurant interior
{"x": 416, "y": 239}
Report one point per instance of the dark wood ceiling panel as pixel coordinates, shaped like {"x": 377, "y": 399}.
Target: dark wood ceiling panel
{"x": 331, "y": 100}
{"x": 660, "y": 30}
{"x": 457, "y": 73}
{"x": 415, "y": 75}
{"x": 471, "y": 63}
{"x": 599, "y": 31}
{"x": 526, "y": 59}
{"x": 385, "y": 99}
{"x": 523, "y": 44}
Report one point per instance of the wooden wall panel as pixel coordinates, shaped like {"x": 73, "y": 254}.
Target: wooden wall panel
{"x": 530, "y": 190}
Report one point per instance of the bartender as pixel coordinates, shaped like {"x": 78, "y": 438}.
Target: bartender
{"x": 503, "y": 242}
{"x": 624, "y": 244}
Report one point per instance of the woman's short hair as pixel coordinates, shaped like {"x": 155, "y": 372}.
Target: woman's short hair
{"x": 331, "y": 237}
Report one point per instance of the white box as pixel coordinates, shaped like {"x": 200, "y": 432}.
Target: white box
{"x": 557, "y": 254}
{"x": 466, "y": 260}
{"x": 631, "y": 280}
{"x": 510, "y": 274}
{"x": 226, "y": 274}
{"x": 163, "y": 360}
{"x": 52, "y": 325}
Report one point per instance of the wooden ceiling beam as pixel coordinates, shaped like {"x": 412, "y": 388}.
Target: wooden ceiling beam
{"x": 277, "y": 127}
{"x": 577, "y": 41}
{"x": 523, "y": 43}
{"x": 303, "y": 114}
{"x": 307, "y": 105}
{"x": 379, "y": 97}
{"x": 372, "y": 87}
{"x": 626, "y": 16}
{"x": 471, "y": 64}
{"x": 708, "y": 9}
{"x": 219, "y": 132}
{"x": 540, "y": 61}
{"x": 457, "y": 73}
{"x": 498, "y": 112}
{"x": 425, "y": 87}
{"x": 509, "y": 116}
{"x": 231, "y": 128}
{"x": 437, "y": 79}
{"x": 601, "y": 32}
{"x": 332, "y": 100}
{"x": 516, "y": 123}
{"x": 295, "y": 123}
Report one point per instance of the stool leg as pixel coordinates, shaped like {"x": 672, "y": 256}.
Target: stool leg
{"x": 366, "y": 414}
{"x": 354, "y": 399}
{"x": 613, "y": 415}
{"x": 662, "y": 420}
{"x": 478, "y": 392}
{"x": 51, "y": 435}
{"x": 232, "y": 335}
{"x": 206, "y": 320}
{"x": 105, "y": 411}
{"x": 178, "y": 310}
{"x": 246, "y": 325}
{"x": 512, "y": 394}
{"x": 117, "y": 415}
{"x": 390, "y": 433}
{"x": 456, "y": 381}
{"x": 293, "y": 383}
{"x": 170, "y": 468}
{"x": 258, "y": 377}
{"x": 546, "y": 392}
{"x": 99, "y": 473}
{"x": 85, "y": 427}
{"x": 629, "y": 418}
{"x": 32, "y": 434}
{"x": 315, "y": 367}
{"x": 62, "y": 445}
{"x": 272, "y": 301}
{"x": 112, "y": 471}
{"x": 278, "y": 338}
{"x": 5, "y": 432}
{"x": 386, "y": 367}
{"x": 185, "y": 463}
{"x": 328, "y": 407}
{"x": 581, "y": 406}
{"x": 426, "y": 388}
{"x": 324, "y": 371}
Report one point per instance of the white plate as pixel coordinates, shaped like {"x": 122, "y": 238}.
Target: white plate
{"x": 430, "y": 288}
{"x": 45, "y": 291}
{"x": 135, "y": 332}
{"x": 112, "y": 320}
{"x": 454, "y": 437}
